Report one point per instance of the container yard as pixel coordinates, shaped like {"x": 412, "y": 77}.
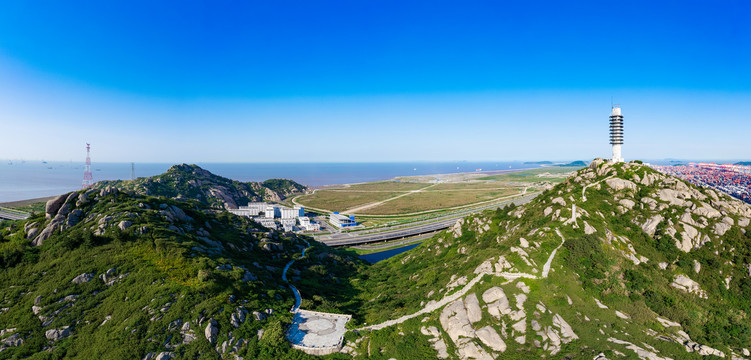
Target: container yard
{"x": 734, "y": 180}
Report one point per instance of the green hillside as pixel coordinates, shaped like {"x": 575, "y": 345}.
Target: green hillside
{"x": 651, "y": 267}
{"x": 615, "y": 261}
{"x": 194, "y": 183}
{"x": 104, "y": 274}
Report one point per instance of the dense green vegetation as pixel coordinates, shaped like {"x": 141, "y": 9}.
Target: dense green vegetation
{"x": 589, "y": 265}
{"x": 168, "y": 262}
{"x": 192, "y": 182}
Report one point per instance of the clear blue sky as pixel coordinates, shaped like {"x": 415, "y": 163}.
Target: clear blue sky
{"x": 236, "y": 81}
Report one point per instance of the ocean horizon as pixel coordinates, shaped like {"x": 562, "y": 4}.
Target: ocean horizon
{"x": 22, "y": 180}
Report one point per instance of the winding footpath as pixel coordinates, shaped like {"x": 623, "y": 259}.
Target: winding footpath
{"x": 546, "y": 267}
{"x": 430, "y": 307}
{"x": 298, "y": 298}
{"x": 584, "y": 196}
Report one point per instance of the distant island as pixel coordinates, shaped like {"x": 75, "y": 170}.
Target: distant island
{"x": 575, "y": 163}
{"x": 743, "y": 163}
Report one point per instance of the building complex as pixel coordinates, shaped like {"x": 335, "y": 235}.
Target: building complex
{"x": 274, "y": 216}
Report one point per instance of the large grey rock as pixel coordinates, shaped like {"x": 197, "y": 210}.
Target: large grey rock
{"x": 474, "y": 313}
{"x": 685, "y": 283}
{"x": 707, "y": 211}
{"x": 53, "y": 206}
{"x": 627, "y": 203}
{"x": 567, "y": 333}
{"x": 50, "y": 229}
{"x": 164, "y": 355}
{"x": 85, "y": 277}
{"x": 13, "y": 340}
{"x": 721, "y": 228}
{"x": 497, "y": 301}
{"x": 57, "y": 334}
{"x": 238, "y": 317}
{"x": 124, "y": 224}
{"x": 672, "y": 196}
{"x": 455, "y": 322}
{"x": 618, "y": 184}
{"x": 650, "y": 226}
{"x": 491, "y": 339}
{"x": 211, "y": 331}
{"x": 180, "y": 214}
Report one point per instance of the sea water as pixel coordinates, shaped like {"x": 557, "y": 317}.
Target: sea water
{"x": 20, "y": 180}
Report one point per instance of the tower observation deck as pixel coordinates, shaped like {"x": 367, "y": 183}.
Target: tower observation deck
{"x": 616, "y": 133}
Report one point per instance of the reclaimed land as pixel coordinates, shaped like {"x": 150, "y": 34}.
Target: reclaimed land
{"x": 435, "y": 199}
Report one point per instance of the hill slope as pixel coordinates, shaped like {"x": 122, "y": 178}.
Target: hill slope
{"x": 105, "y": 274}
{"x": 618, "y": 260}
{"x": 192, "y": 182}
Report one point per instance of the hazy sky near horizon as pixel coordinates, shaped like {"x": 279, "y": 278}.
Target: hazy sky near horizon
{"x": 294, "y": 81}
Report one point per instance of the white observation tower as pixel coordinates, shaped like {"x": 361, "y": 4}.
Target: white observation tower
{"x": 616, "y": 133}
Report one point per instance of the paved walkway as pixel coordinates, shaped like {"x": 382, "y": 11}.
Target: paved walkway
{"x": 430, "y": 307}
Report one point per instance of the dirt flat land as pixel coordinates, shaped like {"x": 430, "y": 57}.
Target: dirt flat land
{"x": 334, "y": 200}
{"x": 469, "y": 186}
{"x": 385, "y": 186}
{"x": 435, "y": 200}
{"x": 552, "y": 174}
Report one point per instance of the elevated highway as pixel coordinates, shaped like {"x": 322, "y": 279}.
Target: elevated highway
{"x": 412, "y": 229}
{"x": 10, "y": 214}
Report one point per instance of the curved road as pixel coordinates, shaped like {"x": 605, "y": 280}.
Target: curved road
{"x": 427, "y": 226}
{"x": 298, "y": 298}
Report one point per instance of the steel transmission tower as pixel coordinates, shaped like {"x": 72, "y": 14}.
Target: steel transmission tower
{"x": 88, "y": 179}
{"x": 132, "y": 171}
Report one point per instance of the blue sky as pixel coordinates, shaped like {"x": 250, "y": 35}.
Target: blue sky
{"x": 220, "y": 81}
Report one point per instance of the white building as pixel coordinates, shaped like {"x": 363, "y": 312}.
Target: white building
{"x": 306, "y": 224}
{"x": 269, "y": 212}
{"x": 616, "y": 133}
{"x": 339, "y": 220}
{"x": 289, "y": 213}
{"x": 269, "y": 223}
{"x": 244, "y": 212}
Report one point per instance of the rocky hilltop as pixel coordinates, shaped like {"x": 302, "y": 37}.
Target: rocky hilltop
{"x": 619, "y": 261}
{"x": 112, "y": 273}
{"x": 192, "y": 182}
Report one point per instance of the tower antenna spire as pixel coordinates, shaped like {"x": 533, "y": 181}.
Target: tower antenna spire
{"x": 88, "y": 179}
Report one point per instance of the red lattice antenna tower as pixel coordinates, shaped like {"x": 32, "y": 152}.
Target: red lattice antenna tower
{"x": 88, "y": 179}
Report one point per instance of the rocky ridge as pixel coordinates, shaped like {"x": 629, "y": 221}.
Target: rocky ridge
{"x": 638, "y": 245}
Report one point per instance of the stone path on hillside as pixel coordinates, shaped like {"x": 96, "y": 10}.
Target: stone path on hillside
{"x": 546, "y": 267}
{"x": 450, "y": 298}
{"x": 447, "y": 299}
{"x": 584, "y": 196}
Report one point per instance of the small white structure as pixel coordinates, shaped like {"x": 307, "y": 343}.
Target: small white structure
{"x": 243, "y": 211}
{"x": 616, "y": 133}
{"x": 269, "y": 212}
{"x": 266, "y": 222}
{"x": 306, "y": 224}
{"x": 339, "y": 220}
